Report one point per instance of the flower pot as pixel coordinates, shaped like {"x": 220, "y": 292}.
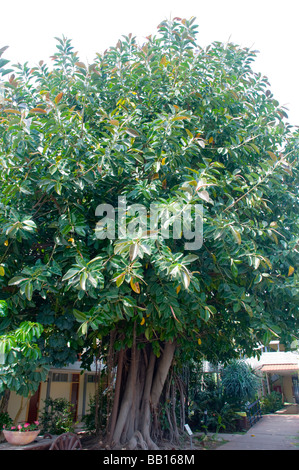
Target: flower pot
{"x": 17, "y": 438}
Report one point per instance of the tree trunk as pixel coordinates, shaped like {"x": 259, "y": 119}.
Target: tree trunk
{"x": 182, "y": 404}
{"x": 173, "y": 409}
{"x": 4, "y": 402}
{"x": 132, "y": 423}
{"x": 21, "y": 408}
{"x": 116, "y": 395}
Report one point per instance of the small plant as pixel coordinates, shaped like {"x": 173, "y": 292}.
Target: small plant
{"x": 220, "y": 424}
{"x": 96, "y": 419}
{"x": 5, "y": 421}
{"x": 57, "y": 417}
{"x": 271, "y": 403}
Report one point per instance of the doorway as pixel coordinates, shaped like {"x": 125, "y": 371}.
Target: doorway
{"x": 33, "y": 406}
{"x": 277, "y": 388}
{"x": 75, "y": 394}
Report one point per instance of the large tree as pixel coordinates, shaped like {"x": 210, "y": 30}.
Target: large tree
{"x": 165, "y": 123}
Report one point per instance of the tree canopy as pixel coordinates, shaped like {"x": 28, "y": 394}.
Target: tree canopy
{"x": 169, "y": 123}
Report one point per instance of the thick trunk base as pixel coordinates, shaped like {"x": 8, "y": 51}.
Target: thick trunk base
{"x": 141, "y": 377}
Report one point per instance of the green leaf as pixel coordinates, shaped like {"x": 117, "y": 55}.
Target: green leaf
{"x": 83, "y": 279}
{"x": 204, "y": 195}
{"x": 58, "y": 187}
{"x": 180, "y": 118}
{"x": 93, "y": 281}
{"x": 255, "y": 147}
{"x": 189, "y": 259}
{"x": 83, "y": 328}
{"x": 248, "y": 309}
{"x": 3, "y": 308}
{"x": 29, "y": 290}
{"x": 148, "y": 333}
{"x": 80, "y": 316}
{"x": 17, "y": 280}
{"x": 134, "y": 250}
{"x": 70, "y": 273}
{"x": 234, "y": 269}
{"x": 120, "y": 279}
{"x": 236, "y": 235}
{"x": 205, "y": 314}
{"x": 29, "y": 223}
{"x": 132, "y": 132}
{"x": 272, "y": 155}
{"x": 186, "y": 279}
{"x": 3, "y": 49}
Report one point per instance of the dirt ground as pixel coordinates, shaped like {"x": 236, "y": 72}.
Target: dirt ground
{"x": 199, "y": 442}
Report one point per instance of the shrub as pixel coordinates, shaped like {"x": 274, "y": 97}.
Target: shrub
{"x": 5, "y": 420}
{"x": 89, "y": 418}
{"x": 220, "y": 415}
{"x": 240, "y": 384}
{"x": 57, "y": 416}
{"x": 222, "y": 400}
{"x": 271, "y": 403}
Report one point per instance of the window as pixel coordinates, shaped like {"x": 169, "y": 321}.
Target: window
{"x": 92, "y": 378}
{"x": 59, "y": 377}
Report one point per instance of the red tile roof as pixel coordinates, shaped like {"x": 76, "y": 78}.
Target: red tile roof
{"x": 277, "y": 367}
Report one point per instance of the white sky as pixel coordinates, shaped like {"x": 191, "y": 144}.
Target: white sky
{"x": 28, "y": 27}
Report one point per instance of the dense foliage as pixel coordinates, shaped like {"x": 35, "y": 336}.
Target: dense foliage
{"x": 272, "y": 402}
{"x": 5, "y": 420}
{"x": 209, "y": 409}
{"x": 240, "y": 383}
{"x": 216, "y": 399}
{"x": 22, "y": 367}
{"x": 168, "y": 123}
{"x": 57, "y": 416}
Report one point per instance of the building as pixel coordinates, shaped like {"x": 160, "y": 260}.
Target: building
{"x": 71, "y": 383}
{"x": 280, "y": 371}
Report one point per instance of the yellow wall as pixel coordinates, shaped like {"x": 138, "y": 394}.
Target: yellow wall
{"x": 42, "y": 397}
{"x": 288, "y": 389}
{"x": 60, "y": 390}
{"x": 90, "y": 392}
{"x": 14, "y": 404}
{"x": 57, "y": 390}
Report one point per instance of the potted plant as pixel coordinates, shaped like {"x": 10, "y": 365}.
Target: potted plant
{"x": 21, "y": 434}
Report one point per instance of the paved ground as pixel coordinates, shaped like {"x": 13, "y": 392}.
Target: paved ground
{"x": 272, "y": 432}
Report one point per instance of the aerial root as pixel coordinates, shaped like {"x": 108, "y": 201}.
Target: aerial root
{"x": 136, "y": 441}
